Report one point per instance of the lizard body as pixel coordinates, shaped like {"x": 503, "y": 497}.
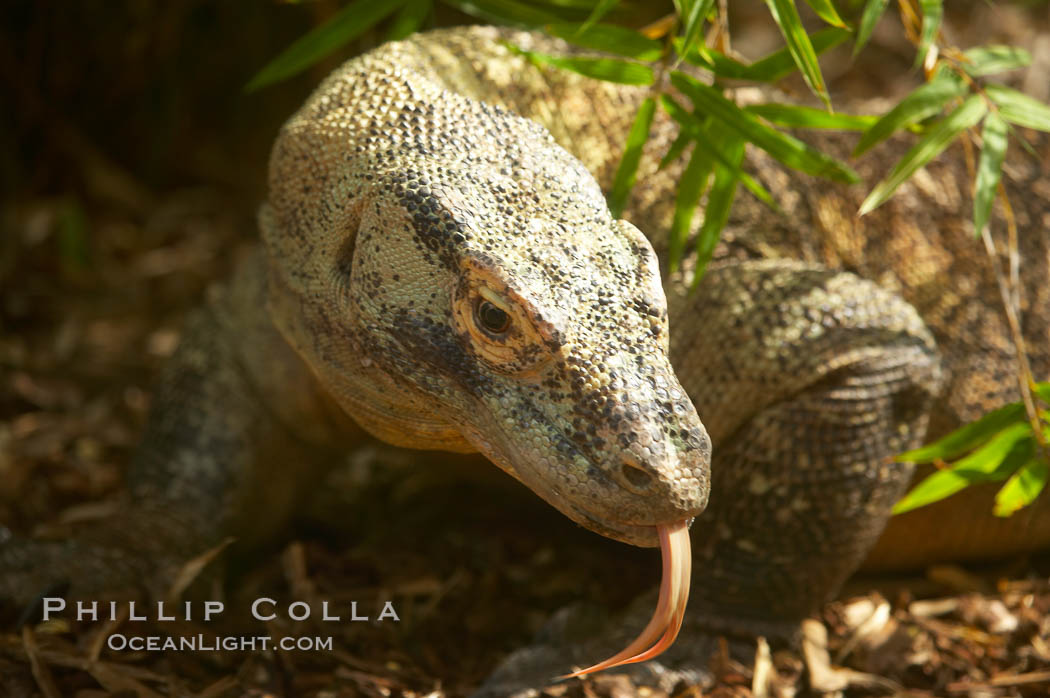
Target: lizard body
{"x": 439, "y": 268}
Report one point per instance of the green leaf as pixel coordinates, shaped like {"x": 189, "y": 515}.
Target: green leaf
{"x": 408, "y": 21}
{"x": 678, "y": 146}
{"x": 749, "y": 182}
{"x": 509, "y": 12}
{"x": 781, "y": 63}
{"x": 599, "y": 11}
{"x": 989, "y": 60}
{"x": 773, "y": 67}
{"x": 967, "y": 437}
{"x": 695, "y": 129}
{"x": 1043, "y": 391}
{"x": 690, "y": 188}
{"x": 827, "y": 12}
{"x": 989, "y": 169}
{"x": 74, "y": 247}
{"x": 344, "y": 26}
{"x": 718, "y": 63}
{"x": 787, "y": 149}
{"x": 694, "y": 22}
{"x": 994, "y": 461}
{"x": 932, "y": 13}
{"x": 990, "y": 456}
{"x": 1022, "y": 489}
{"x": 794, "y": 116}
{"x": 608, "y": 69}
{"x": 872, "y": 13}
{"x": 930, "y": 146}
{"x": 923, "y": 102}
{"x": 719, "y": 201}
{"x": 1018, "y": 108}
{"x": 576, "y": 5}
{"x": 785, "y": 14}
{"x": 627, "y": 171}
{"x": 609, "y": 38}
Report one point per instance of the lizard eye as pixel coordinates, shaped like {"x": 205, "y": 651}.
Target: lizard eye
{"x": 491, "y": 318}
{"x": 497, "y": 326}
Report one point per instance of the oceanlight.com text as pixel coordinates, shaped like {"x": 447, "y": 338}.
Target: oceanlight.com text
{"x": 119, "y": 642}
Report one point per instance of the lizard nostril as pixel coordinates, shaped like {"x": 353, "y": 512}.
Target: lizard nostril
{"x": 634, "y": 477}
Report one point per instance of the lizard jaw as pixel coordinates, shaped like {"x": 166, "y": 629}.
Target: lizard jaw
{"x": 643, "y": 536}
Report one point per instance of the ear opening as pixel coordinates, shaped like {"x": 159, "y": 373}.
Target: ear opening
{"x": 341, "y": 252}
{"x": 344, "y": 256}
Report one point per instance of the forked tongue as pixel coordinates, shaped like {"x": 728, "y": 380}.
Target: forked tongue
{"x": 670, "y": 609}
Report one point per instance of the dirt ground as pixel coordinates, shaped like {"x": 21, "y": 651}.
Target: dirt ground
{"x": 132, "y": 164}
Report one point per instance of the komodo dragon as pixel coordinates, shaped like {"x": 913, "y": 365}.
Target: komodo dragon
{"x": 443, "y": 273}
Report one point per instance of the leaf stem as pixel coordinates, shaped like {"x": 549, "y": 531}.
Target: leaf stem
{"x": 1010, "y": 296}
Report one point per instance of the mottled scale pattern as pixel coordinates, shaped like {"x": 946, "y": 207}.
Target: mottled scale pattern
{"x": 396, "y": 207}
{"x": 444, "y": 175}
{"x": 918, "y": 246}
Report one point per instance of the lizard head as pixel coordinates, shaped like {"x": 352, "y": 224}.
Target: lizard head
{"x": 456, "y": 280}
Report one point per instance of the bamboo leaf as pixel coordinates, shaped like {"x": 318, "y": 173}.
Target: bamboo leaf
{"x": 608, "y": 69}
{"x": 932, "y": 14}
{"x": 410, "y": 18}
{"x": 968, "y": 437}
{"x": 872, "y": 13}
{"x": 719, "y": 201}
{"x": 794, "y": 116}
{"x": 929, "y": 147}
{"x": 694, "y": 22}
{"x": 690, "y": 188}
{"x": 600, "y": 10}
{"x": 1022, "y": 489}
{"x": 780, "y": 63}
{"x": 994, "y": 462}
{"x": 344, "y": 26}
{"x": 749, "y": 182}
{"x": 989, "y": 60}
{"x": 74, "y": 248}
{"x": 1018, "y": 108}
{"x": 771, "y": 68}
{"x": 827, "y": 12}
{"x": 787, "y": 149}
{"x": 934, "y": 488}
{"x": 1043, "y": 391}
{"x": 989, "y": 456}
{"x": 609, "y": 38}
{"x": 785, "y": 14}
{"x": 695, "y": 129}
{"x": 627, "y": 171}
{"x": 922, "y": 103}
{"x": 677, "y": 147}
{"x": 586, "y": 6}
{"x": 509, "y": 12}
{"x": 989, "y": 169}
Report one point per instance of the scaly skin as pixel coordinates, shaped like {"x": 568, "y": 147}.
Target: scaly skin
{"x": 407, "y": 200}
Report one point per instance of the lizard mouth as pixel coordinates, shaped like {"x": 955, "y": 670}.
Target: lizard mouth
{"x": 641, "y": 535}
{"x": 663, "y": 627}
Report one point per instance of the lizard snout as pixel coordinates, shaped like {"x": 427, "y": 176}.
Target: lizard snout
{"x": 658, "y": 483}
{"x": 673, "y": 486}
